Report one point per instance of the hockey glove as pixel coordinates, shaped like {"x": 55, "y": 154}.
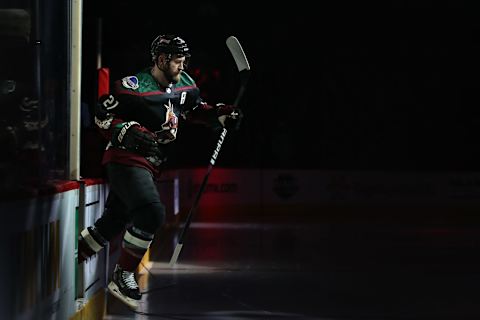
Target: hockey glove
{"x": 229, "y": 116}
{"x": 131, "y": 137}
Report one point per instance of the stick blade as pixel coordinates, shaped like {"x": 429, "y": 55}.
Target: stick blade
{"x": 175, "y": 255}
{"x": 238, "y": 54}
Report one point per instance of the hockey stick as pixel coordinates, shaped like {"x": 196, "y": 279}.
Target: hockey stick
{"x": 242, "y": 64}
{"x": 244, "y": 68}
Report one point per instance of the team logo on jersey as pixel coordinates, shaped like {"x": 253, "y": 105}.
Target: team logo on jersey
{"x": 169, "y": 127}
{"x": 130, "y": 82}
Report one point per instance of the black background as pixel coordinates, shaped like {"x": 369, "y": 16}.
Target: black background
{"x": 386, "y": 85}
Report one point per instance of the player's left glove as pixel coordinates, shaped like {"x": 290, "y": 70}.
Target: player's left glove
{"x": 229, "y": 116}
{"x": 134, "y": 138}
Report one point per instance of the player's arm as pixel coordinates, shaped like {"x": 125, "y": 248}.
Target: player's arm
{"x": 106, "y": 117}
{"x": 129, "y": 135}
{"x": 216, "y": 117}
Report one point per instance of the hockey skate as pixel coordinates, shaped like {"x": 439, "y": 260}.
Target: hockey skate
{"x": 125, "y": 288}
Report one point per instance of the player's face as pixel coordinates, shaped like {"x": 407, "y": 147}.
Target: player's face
{"x": 175, "y": 67}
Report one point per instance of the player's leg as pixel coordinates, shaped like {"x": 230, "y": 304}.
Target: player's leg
{"x": 113, "y": 221}
{"x": 136, "y": 188}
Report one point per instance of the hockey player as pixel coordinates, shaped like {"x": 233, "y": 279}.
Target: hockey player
{"x": 138, "y": 120}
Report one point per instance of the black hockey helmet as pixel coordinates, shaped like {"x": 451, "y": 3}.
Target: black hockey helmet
{"x": 169, "y": 44}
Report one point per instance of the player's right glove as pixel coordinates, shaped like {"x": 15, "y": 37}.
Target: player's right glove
{"x": 132, "y": 137}
{"x": 229, "y": 116}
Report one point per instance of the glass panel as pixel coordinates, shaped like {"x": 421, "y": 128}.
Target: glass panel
{"x": 33, "y": 96}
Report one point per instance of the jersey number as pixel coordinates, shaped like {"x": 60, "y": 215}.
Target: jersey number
{"x": 110, "y": 102}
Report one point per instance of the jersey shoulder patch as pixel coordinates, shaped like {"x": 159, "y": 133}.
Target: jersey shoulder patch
{"x": 130, "y": 82}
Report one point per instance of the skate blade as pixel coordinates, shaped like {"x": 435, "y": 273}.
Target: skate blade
{"x": 115, "y": 291}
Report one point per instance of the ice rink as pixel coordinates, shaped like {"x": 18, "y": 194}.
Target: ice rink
{"x": 328, "y": 269}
